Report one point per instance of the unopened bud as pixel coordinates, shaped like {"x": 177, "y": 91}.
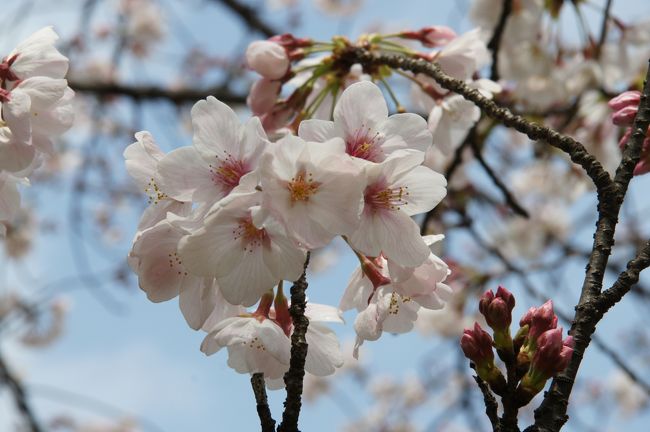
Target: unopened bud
{"x": 268, "y": 59}
{"x": 497, "y": 309}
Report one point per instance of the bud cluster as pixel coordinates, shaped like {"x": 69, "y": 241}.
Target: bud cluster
{"x": 535, "y": 354}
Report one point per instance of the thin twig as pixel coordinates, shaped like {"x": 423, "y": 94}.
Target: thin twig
{"x": 293, "y": 379}
{"x": 495, "y": 40}
{"x": 507, "y": 195}
{"x": 19, "y": 395}
{"x": 263, "y": 411}
{"x": 250, "y": 17}
{"x": 491, "y": 405}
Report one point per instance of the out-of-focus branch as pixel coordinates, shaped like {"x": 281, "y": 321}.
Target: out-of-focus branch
{"x": 507, "y": 195}
{"x": 263, "y": 411}
{"x": 19, "y": 395}
{"x": 603, "y": 29}
{"x": 250, "y": 17}
{"x": 495, "y": 41}
{"x": 293, "y": 379}
{"x": 141, "y": 93}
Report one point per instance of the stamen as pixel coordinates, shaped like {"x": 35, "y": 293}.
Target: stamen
{"x": 302, "y": 186}
{"x": 251, "y": 236}
{"x": 228, "y": 172}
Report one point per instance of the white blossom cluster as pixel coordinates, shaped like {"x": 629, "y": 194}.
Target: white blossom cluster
{"x": 35, "y": 102}
{"x": 234, "y": 214}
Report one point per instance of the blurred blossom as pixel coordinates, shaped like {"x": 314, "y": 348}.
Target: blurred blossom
{"x": 629, "y": 396}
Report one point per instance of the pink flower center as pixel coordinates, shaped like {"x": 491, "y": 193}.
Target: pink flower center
{"x": 228, "y": 172}
{"x": 251, "y": 236}
{"x": 379, "y": 197}
{"x": 365, "y": 145}
{"x": 302, "y": 186}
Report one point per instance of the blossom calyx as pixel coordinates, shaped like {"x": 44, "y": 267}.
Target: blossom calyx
{"x": 432, "y": 36}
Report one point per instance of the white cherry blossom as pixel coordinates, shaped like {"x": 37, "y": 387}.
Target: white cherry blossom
{"x": 361, "y": 120}
{"x": 397, "y": 188}
{"x": 35, "y": 56}
{"x": 313, "y": 188}
{"x": 246, "y": 260}
{"x": 223, "y": 153}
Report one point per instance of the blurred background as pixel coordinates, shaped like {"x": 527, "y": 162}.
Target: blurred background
{"x": 93, "y": 354}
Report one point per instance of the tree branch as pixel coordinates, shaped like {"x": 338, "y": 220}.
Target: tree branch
{"x": 507, "y": 195}
{"x": 19, "y": 395}
{"x": 491, "y": 405}
{"x": 263, "y": 411}
{"x": 141, "y": 93}
{"x": 495, "y": 41}
{"x": 551, "y": 415}
{"x": 570, "y": 146}
{"x": 293, "y": 379}
{"x": 250, "y": 17}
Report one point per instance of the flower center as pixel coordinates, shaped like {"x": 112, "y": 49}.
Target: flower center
{"x": 228, "y": 172}
{"x": 380, "y": 197}
{"x": 252, "y": 237}
{"x": 302, "y": 186}
{"x": 154, "y": 192}
{"x": 364, "y": 145}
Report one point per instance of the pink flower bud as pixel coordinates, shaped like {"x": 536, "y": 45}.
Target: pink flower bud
{"x": 625, "y": 116}
{"x": 278, "y": 118}
{"x": 433, "y": 36}
{"x": 477, "y": 345}
{"x": 543, "y": 319}
{"x": 497, "y": 309}
{"x": 263, "y": 95}
{"x": 552, "y": 355}
{"x": 625, "y": 99}
{"x": 267, "y": 59}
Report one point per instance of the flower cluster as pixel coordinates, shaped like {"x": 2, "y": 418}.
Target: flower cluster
{"x": 535, "y": 354}
{"x": 625, "y": 107}
{"x": 35, "y": 102}
{"x": 234, "y": 215}
{"x": 318, "y": 80}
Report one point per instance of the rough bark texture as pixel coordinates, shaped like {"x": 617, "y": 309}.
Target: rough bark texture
{"x": 263, "y": 411}
{"x": 293, "y": 379}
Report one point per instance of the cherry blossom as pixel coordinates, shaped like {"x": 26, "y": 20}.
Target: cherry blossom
{"x": 397, "y": 188}
{"x": 223, "y": 153}
{"x": 313, "y": 188}
{"x": 361, "y": 120}
{"x": 246, "y": 260}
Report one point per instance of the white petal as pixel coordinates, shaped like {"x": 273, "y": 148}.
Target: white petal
{"x": 185, "y": 176}
{"x": 361, "y": 105}
{"x": 216, "y": 128}
{"x": 323, "y": 353}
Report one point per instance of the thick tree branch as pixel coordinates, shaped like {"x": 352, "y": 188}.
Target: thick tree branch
{"x": 495, "y": 41}
{"x": 293, "y": 379}
{"x": 19, "y": 395}
{"x": 142, "y": 93}
{"x": 263, "y": 411}
{"x": 570, "y": 146}
{"x": 250, "y": 17}
{"x": 551, "y": 415}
